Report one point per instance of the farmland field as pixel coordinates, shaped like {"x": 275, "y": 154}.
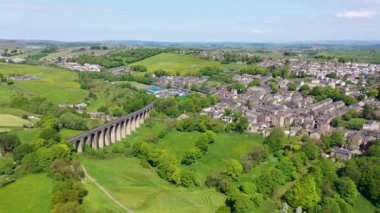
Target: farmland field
{"x": 56, "y": 84}
{"x": 12, "y": 121}
{"x": 30, "y": 193}
{"x": 173, "y": 63}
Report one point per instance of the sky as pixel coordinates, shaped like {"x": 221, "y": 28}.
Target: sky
{"x": 190, "y": 20}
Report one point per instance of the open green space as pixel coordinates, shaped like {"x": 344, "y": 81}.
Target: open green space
{"x": 173, "y": 63}
{"x": 27, "y": 135}
{"x": 12, "y": 121}
{"x": 56, "y": 84}
{"x": 31, "y": 193}
{"x": 368, "y": 56}
{"x": 361, "y": 204}
{"x": 142, "y": 190}
{"x": 135, "y": 84}
{"x": 12, "y": 111}
{"x": 6, "y": 93}
{"x": 97, "y": 201}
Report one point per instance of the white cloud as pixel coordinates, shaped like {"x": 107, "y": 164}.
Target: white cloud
{"x": 362, "y": 14}
{"x": 258, "y": 31}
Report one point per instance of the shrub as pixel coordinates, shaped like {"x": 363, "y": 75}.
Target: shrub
{"x": 191, "y": 156}
{"x": 234, "y": 169}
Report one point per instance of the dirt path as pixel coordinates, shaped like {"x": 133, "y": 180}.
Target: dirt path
{"x": 106, "y": 192}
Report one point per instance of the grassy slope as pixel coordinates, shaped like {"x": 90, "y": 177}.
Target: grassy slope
{"x": 27, "y": 135}
{"x": 7, "y": 120}
{"x": 56, "y": 84}
{"x": 6, "y": 93}
{"x": 28, "y": 194}
{"x": 97, "y": 201}
{"x": 362, "y": 55}
{"x": 142, "y": 190}
{"x": 16, "y": 112}
{"x": 173, "y": 63}
{"x": 226, "y": 146}
{"x": 361, "y": 204}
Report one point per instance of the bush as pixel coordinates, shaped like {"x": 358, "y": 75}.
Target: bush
{"x": 170, "y": 172}
{"x": 191, "y": 156}
{"x": 234, "y": 169}
{"x": 21, "y": 151}
{"x": 187, "y": 178}
{"x": 8, "y": 142}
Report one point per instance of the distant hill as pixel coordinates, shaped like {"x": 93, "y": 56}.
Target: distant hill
{"x": 301, "y": 45}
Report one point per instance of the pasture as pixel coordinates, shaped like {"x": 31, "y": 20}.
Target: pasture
{"x": 31, "y": 193}
{"x": 55, "y": 84}
{"x": 143, "y": 191}
{"x": 173, "y": 63}
{"x": 7, "y": 120}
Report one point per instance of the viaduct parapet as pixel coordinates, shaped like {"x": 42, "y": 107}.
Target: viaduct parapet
{"x": 112, "y": 132}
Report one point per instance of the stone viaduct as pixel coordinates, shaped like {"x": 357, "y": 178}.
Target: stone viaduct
{"x": 112, "y": 132}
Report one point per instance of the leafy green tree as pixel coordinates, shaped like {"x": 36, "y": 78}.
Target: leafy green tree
{"x": 21, "y": 151}
{"x": 346, "y": 188}
{"x": 234, "y": 169}
{"x": 373, "y": 92}
{"x": 8, "y": 142}
{"x": 254, "y": 82}
{"x": 241, "y": 203}
{"x": 191, "y": 156}
{"x": 30, "y": 163}
{"x": 268, "y": 181}
{"x": 304, "y": 193}
{"x": 170, "y": 172}
{"x": 49, "y": 133}
{"x": 293, "y": 87}
{"x": 187, "y": 178}
{"x": 335, "y": 139}
{"x": 276, "y": 139}
{"x": 311, "y": 151}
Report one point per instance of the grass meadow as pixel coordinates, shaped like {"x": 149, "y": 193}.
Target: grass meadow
{"x": 30, "y": 193}
{"x": 7, "y": 120}
{"x": 6, "y": 93}
{"x": 173, "y": 63}
{"x": 56, "y": 84}
{"x": 143, "y": 191}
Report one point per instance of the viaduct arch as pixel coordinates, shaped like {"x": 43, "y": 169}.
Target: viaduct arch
{"x": 112, "y": 132}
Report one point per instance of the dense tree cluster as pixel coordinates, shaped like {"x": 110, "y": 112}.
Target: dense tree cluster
{"x": 322, "y": 93}
{"x": 119, "y": 58}
{"x": 165, "y": 164}
{"x": 351, "y": 120}
{"x": 201, "y": 148}
{"x": 192, "y": 103}
{"x": 210, "y": 71}
{"x": 364, "y": 171}
{"x": 230, "y": 58}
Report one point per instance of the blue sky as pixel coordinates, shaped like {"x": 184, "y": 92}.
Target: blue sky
{"x": 191, "y": 20}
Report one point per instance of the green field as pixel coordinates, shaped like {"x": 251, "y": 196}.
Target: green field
{"x": 7, "y": 120}
{"x": 368, "y": 56}
{"x": 173, "y": 63}
{"x": 6, "y": 93}
{"x": 56, "y": 84}
{"x": 27, "y": 135}
{"x": 28, "y": 194}
{"x": 12, "y": 111}
{"x": 143, "y": 191}
{"x": 97, "y": 201}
